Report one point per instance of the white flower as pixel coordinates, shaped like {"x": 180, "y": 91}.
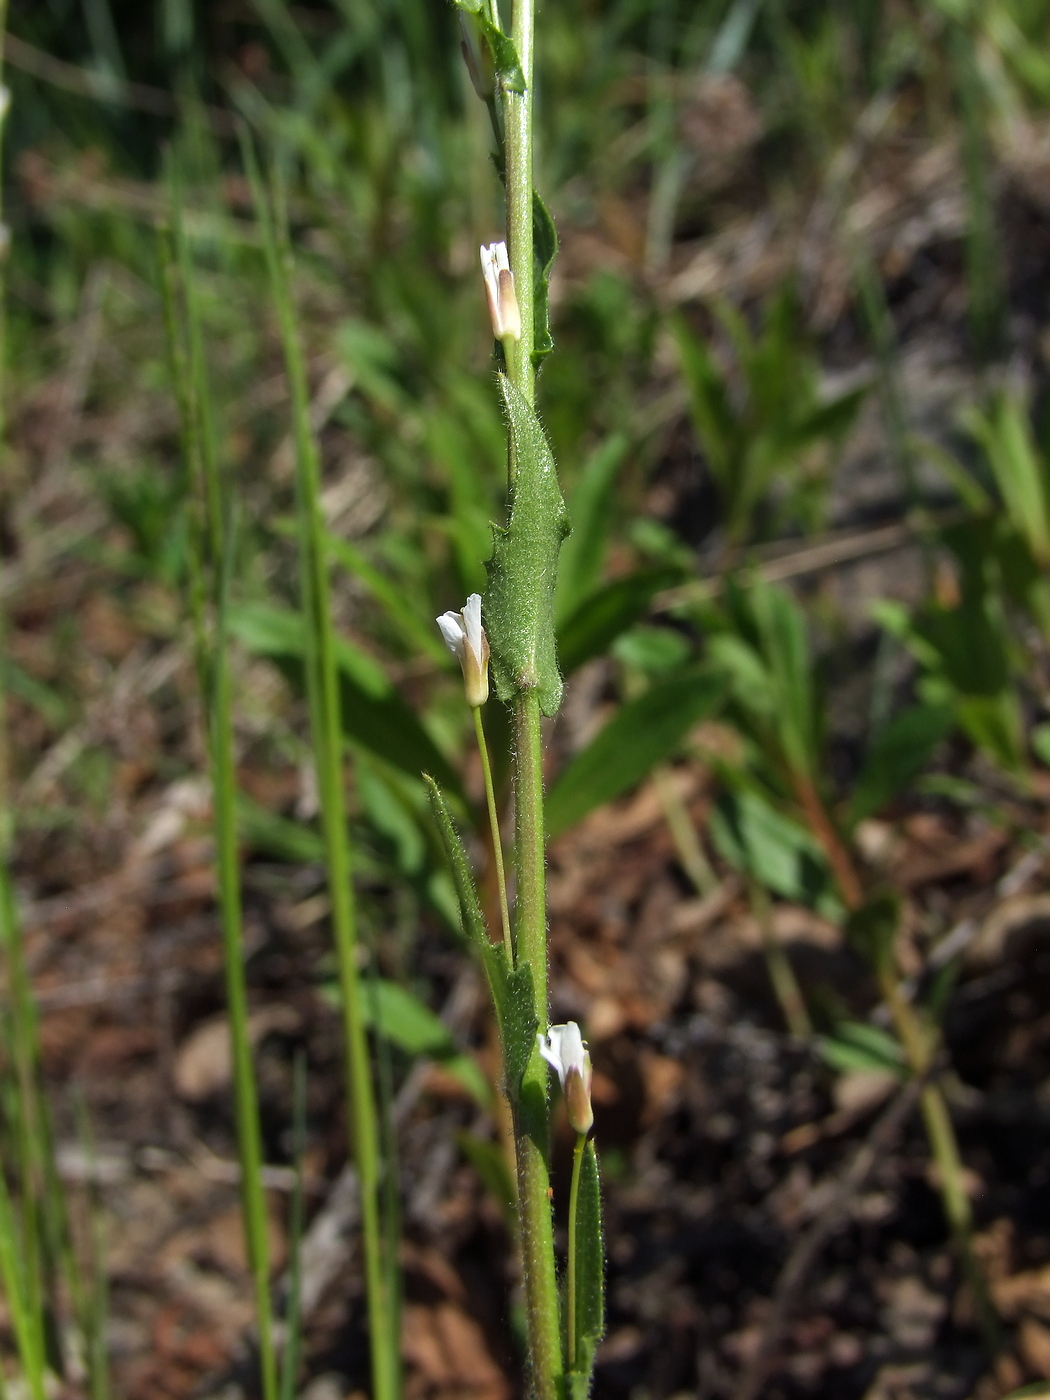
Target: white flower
{"x": 564, "y": 1050}
{"x": 499, "y": 287}
{"x": 465, "y": 638}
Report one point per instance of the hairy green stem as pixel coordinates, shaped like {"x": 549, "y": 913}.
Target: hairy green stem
{"x": 517, "y": 120}
{"x": 497, "y": 843}
{"x": 530, "y": 1118}
{"x": 531, "y": 1115}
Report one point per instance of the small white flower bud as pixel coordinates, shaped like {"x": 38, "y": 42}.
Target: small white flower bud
{"x": 564, "y": 1049}
{"x": 466, "y": 640}
{"x": 499, "y": 288}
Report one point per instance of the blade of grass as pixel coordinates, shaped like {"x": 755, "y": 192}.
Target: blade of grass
{"x": 20, "y": 1250}
{"x": 293, "y": 1313}
{"x": 326, "y": 729}
{"x": 213, "y": 665}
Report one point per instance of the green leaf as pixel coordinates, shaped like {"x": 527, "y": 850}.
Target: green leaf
{"x": 519, "y": 604}
{"x": 490, "y": 1162}
{"x": 544, "y": 251}
{"x": 501, "y": 46}
{"x": 1040, "y": 741}
{"x": 513, "y": 990}
{"x": 393, "y": 1012}
{"x": 388, "y": 813}
{"x": 858, "y": 1046}
{"x": 590, "y": 1271}
{"x": 898, "y": 756}
{"x": 780, "y": 854}
{"x": 654, "y": 651}
{"x": 590, "y": 508}
{"x": 418, "y": 632}
{"x": 268, "y": 834}
{"x": 470, "y": 906}
{"x": 1005, "y": 433}
{"x": 403, "y": 1019}
{"x": 644, "y": 732}
{"x": 373, "y": 712}
{"x": 602, "y": 617}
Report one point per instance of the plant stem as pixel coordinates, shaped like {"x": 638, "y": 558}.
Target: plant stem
{"x": 517, "y": 118}
{"x": 778, "y": 965}
{"x": 530, "y": 1111}
{"x": 497, "y": 843}
{"x": 823, "y": 829}
{"x": 530, "y": 1116}
{"x": 246, "y": 1102}
{"x": 944, "y": 1146}
{"x": 570, "y": 1271}
{"x": 683, "y": 833}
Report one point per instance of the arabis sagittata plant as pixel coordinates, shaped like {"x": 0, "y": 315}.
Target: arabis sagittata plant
{"x": 564, "y": 1316}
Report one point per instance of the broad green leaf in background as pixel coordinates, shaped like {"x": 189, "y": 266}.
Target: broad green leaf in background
{"x": 390, "y": 814}
{"x": 859, "y": 1046}
{"x": 897, "y": 756}
{"x": 269, "y": 834}
{"x": 453, "y": 448}
{"x": 489, "y": 1160}
{"x": 393, "y": 1012}
{"x": 373, "y": 711}
{"x": 519, "y": 604}
{"x": 652, "y": 651}
{"x": 643, "y": 733}
{"x": 1005, "y": 434}
{"x": 781, "y": 855}
{"x": 963, "y": 649}
{"x": 762, "y": 421}
{"x": 600, "y": 618}
{"x": 418, "y": 632}
{"x": 765, "y": 653}
{"x": 590, "y": 511}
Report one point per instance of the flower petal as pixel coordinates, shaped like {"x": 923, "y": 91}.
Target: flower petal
{"x": 451, "y": 625}
{"x": 472, "y": 624}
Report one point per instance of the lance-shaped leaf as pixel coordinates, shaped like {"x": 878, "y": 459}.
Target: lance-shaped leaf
{"x": 590, "y": 1277}
{"x": 513, "y": 990}
{"x": 519, "y": 605}
{"x": 544, "y": 249}
{"x": 504, "y": 55}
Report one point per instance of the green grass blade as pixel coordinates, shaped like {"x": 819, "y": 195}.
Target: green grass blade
{"x": 194, "y": 396}
{"x": 293, "y": 1321}
{"x": 327, "y": 728}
